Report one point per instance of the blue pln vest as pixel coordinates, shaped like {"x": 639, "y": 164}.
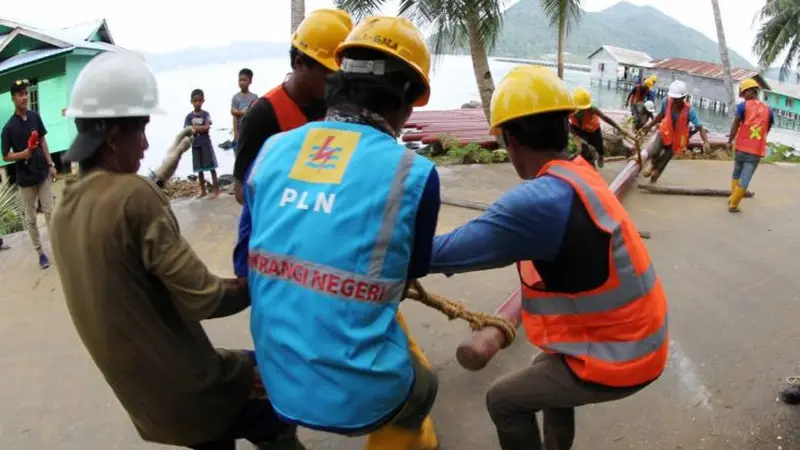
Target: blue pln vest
{"x": 333, "y": 213}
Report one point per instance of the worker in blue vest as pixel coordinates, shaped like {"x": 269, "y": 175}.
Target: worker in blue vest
{"x": 342, "y": 216}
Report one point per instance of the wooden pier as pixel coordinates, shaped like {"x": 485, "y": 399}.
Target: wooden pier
{"x": 469, "y": 126}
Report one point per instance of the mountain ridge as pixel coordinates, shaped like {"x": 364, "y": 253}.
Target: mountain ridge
{"x": 527, "y": 33}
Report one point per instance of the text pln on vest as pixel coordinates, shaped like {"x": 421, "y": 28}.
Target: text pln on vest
{"x": 307, "y": 200}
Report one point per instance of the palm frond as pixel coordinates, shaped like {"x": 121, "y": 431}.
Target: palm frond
{"x": 360, "y": 9}
{"x": 779, "y": 33}
{"x": 10, "y": 209}
{"x": 566, "y": 12}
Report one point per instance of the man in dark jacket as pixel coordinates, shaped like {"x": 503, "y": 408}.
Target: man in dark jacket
{"x": 24, "y": 144}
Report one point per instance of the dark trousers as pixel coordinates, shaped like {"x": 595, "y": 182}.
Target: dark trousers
{"x": 549, "y": 386}
{"x": 417, "y": 406}
{"x": 257, "y": 423}
{"x": 594, "y": 139}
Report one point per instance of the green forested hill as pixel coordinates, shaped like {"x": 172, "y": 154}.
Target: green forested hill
{"x": 527, "y": 34}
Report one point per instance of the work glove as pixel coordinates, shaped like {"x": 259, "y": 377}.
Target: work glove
{"x": 33, "y": 140}
{"x": 181, "y": 143}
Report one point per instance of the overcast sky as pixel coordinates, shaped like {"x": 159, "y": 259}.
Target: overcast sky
{"x": 153, "y": 26}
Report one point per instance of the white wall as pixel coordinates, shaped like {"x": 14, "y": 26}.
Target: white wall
{"x": 609, "y": 66}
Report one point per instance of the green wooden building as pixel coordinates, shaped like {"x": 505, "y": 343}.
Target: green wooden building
{"x": 50, "y": 60}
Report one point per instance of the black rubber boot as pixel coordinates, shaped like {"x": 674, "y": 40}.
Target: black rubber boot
{"x": 791, "y": 395}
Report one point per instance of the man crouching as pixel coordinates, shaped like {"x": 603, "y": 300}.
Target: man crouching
{"x": 134, "y": 288}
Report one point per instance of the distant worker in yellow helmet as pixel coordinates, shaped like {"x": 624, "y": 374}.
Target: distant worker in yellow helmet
{"x": 585, "y": 123}
{"x": 591, "y": 299}
{"x": 748, "y": 136}
{"x": 342, "y": 217}
{"x": 300, "y": 98}
{"x": 637, "y": 97}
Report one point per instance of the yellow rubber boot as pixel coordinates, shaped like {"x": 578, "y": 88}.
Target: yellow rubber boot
{"x": 734, "y": 185}
{"x": 736, "y": 197}
{"x": 392, "y": 437}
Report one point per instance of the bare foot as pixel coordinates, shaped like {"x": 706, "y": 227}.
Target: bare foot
{"x": 214, "y": 194}
{"x": 202, "y": 194}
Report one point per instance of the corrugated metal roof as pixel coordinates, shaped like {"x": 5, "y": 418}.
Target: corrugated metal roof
{"x": 82, "y": 31}
{"x": 72, "y": 38}
{"x": 702, "y": 68}
{"x": 624, "y": 55}
{"x": 788, "y": 89}
{"x": 31, "y": 56}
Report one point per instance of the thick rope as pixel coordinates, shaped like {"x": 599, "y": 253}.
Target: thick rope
{"x": 456, "y": 310}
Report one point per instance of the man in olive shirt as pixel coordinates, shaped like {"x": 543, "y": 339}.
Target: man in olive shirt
{"x": 134, "y": 288}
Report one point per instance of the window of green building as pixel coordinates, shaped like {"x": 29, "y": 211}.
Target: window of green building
{"x": 33, "y": 95}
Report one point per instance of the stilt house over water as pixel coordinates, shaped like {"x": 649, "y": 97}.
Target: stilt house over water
{"x": 50, "y": 60}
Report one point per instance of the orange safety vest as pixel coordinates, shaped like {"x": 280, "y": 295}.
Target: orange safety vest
{"x": 752, "y": 135}
{"x": 590, "y": 122}
{"x": 286, "y": 110}
{"x": 614, "y": 335}
{"x": 639, "y": 93}
{"x": 680, "y": 130}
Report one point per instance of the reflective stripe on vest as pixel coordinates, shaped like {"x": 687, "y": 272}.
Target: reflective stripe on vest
{"x": 627, "y": 305}
{"x": 339, "y": 283}
{"x": 590, "y": 122}
{"x": 329, "y": 262}
{"x": 679, "y": 131}
{"x": 286, "y": 110}
{"x": 752, "y": 135}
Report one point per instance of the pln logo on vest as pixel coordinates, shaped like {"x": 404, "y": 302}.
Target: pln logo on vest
{"x": 324, "y": 156}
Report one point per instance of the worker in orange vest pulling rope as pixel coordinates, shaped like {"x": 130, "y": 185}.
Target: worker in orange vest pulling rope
{"x": 676, "y": 117}
{"x": 585, "y": 123}
{"x": 598, "y": 311}
{"x": 748, "y": 137}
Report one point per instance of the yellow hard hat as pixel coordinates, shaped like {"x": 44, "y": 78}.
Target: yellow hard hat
{"x": 320, "y": 33}
{"x": 528, "y": 90}
{"x": 650, "y": 82}
{"x": 748, "y": 84}
{"x": 395, "y": 36}
{"x": 583, "y": 98}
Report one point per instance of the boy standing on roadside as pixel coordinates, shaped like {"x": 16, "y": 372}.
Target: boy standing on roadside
{"x": 240, "y": 103}
{"x": 203, "y": 157}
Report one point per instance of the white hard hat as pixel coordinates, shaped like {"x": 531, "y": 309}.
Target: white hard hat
{"x": 114, "y": 84}
{"x": 650, "y": 106}
{"x": 678, "y": 89}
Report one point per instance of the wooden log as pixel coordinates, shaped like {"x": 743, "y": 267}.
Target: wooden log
{"x": 677, "y": 190}
{"x": 483, "y": 345}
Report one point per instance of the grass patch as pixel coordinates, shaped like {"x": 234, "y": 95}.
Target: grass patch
{"x": 452, "y": 152}
{"x": 781, "y": 153}
{"x": 10, "y": 210}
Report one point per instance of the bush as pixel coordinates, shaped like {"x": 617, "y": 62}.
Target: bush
{"x": 781, "y": 153}
{"x": 455, "y": 153}
{"x": 10, "y": 210}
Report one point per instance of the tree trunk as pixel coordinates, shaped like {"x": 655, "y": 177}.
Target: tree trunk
{"x": 480, "y": 64}
{"x": 562, "y": 36}
{"x": 724, "y": 58}
{"x": 298, "y": 13}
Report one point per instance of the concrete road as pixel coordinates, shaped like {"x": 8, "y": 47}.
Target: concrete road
{"x": 734, "y": 289}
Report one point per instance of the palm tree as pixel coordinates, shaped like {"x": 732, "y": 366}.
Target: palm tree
{"x": 779, "y": 32}
{"x": 298, "y": 13}
{"x": 723, "y": 57}
{"x": 474, "y": 22}
{"x": 563, "y": 14}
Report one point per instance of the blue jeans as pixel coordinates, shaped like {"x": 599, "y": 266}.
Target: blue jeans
{"x": 744, "y": 166}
